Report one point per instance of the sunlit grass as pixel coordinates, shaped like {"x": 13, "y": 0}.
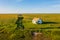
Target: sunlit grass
{"x": 8, "y": 32}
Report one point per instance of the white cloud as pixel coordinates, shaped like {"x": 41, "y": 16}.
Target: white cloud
{"x": 7, "y": 10}
{"x": 49, "y": 9}
{"x": 56, "y": 6}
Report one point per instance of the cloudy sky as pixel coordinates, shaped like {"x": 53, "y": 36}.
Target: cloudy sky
{"x": 29, "y": 6}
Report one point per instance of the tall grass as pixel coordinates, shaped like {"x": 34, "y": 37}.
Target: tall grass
{"x": 50, "y": 30}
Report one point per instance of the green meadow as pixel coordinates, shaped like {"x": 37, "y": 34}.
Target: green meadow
{"x": 50, "y": 27}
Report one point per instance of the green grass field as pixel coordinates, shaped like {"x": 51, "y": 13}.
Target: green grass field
{"x": 50, "y": 28}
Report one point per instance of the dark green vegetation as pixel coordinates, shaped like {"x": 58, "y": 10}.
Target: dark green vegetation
{"x": 50, "y": 28}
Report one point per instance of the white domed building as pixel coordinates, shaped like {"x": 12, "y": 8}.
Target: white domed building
{"x": 37, "y": 21}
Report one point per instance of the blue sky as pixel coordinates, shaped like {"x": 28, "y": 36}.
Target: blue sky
{"x": 29, "y": 6}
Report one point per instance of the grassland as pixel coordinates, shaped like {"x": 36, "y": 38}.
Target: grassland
{"x": 50, "y": 27}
